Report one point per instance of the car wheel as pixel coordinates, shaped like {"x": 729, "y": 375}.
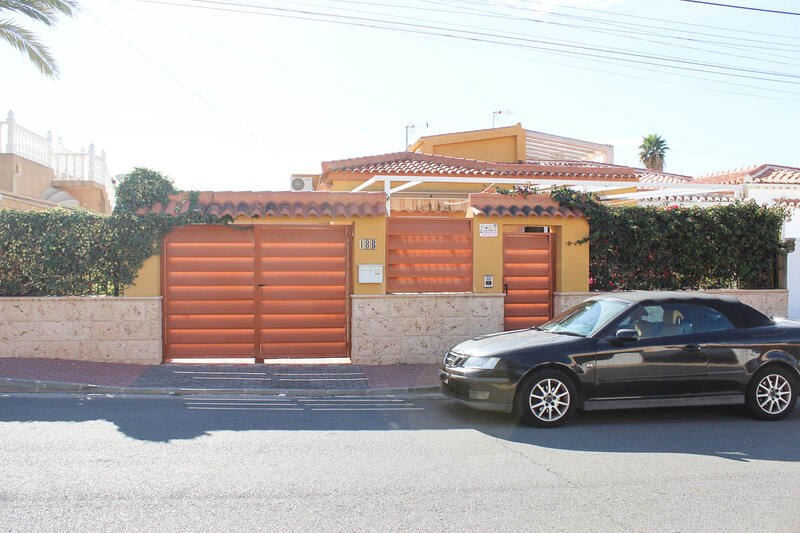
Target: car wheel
{"x": 771, "y": 394}
{"x": 546, "y": 398}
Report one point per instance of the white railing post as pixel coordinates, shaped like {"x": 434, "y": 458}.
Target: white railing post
{"x": 61, "y": 162}
{"x": 10, "y": 123}
{"x": 49, "y": 154}
{"x": 104, "y": 171}
{"x": 91, "y": 161}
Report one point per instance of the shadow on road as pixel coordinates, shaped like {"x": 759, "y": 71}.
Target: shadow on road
{"x": 724, "y": 432}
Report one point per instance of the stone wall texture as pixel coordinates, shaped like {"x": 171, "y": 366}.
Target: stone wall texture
{"x": 771, "y": 302}
{"x": 120, "y": 330}
{"x": 419, "y": 328}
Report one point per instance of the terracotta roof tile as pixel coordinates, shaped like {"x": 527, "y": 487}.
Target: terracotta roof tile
{"x": 788, "y": 202}
{"x": 504, "y": 205}
{"x": 770, "y": 174}
{"x": 412, "y": 163}
{"x": 720, "y": 197}
{"x": 253, "y": 204}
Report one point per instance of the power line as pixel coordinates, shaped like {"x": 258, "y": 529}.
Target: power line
{"x": 161, "y": 69}
{"x": 637, "y": 25}
{"x": 743, "y": 7}
{"x": 583, "y": 67}
{"x": 635, "y": 36}
{"x": 538, "y": 44}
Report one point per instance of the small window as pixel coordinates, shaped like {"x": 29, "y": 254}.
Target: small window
{"x": 709, "y": 320}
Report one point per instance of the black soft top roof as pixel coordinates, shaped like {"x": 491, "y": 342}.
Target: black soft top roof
{"x": 740, "y": 314}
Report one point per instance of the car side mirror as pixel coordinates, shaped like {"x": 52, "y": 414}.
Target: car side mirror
{"x": 627, "y": 335}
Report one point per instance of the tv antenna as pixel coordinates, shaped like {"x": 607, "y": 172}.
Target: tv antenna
{"x": 411, "y": 126}
{"x": 495, "y": 114}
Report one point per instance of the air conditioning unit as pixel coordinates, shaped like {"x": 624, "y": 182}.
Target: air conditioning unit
{"x": 302, "y": 184}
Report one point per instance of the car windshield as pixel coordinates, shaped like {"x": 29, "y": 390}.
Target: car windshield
{"x": 586, "y": 318}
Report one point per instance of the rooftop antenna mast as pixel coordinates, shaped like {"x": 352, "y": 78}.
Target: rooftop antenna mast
{"x": 499, "y": 112}
{"x": 411, "y": 126}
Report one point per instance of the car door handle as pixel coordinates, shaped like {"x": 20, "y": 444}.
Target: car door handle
{"x": 692, "y": 347}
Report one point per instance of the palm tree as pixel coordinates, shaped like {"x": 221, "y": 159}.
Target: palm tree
{"x": 651, "y": 152}
{"x": 24, "y": 40}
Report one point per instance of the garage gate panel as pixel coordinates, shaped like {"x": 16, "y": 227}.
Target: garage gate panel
{"x": 429, "y": 255}
{"x": 303, "y": 274}
{"x": 209, "y": 298}
{"x": 265, "y": 292}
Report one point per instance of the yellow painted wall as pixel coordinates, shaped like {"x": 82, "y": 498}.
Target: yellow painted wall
{"x": 500, "y": 149}
{"x": 506, "y": 144}
{"x": 148, "y": 280}
{"x": 572, "y": 261}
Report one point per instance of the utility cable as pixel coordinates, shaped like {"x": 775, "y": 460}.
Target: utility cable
{"x": 588, "y": 51}
{"x": 743, "y": 7}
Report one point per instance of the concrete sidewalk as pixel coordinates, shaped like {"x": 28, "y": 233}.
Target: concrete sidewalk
{"x": 57, "y": 375}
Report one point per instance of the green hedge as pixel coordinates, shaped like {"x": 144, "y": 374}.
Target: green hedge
{"x": 62, "y": 252}
{"x": 672, "y": 248}
{"x": 71, "y": 252}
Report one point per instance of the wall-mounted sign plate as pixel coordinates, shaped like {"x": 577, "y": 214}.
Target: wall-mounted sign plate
{"x": 366, "y": 244}
{"x": 370, "y": 273}
{"x": 487, "y": 230}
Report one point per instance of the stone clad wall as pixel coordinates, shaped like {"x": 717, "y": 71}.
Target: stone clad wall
{"x": 121, "y": 330}
{"x": 419, "y": 328}
{"x": 771, "y": 302}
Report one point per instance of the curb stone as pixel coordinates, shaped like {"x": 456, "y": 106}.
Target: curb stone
{"x": 39, "y": 386}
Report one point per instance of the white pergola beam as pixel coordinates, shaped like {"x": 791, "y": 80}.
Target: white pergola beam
{"x": 404, "y": 186}
{"x": 366, "y": 184}
{"x": 557, "y": 182}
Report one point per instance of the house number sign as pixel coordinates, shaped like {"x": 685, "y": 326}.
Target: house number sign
{"x": 366, "y": 244}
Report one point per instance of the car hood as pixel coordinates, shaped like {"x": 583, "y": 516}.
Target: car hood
{"x": 511, "y": 341}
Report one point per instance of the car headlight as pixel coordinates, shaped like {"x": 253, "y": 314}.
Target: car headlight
{"x": 480, "y": 362}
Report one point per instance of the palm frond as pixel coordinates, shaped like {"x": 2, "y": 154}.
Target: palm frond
{"x": 44, "y": 11}
{"x": 27, "y": 43}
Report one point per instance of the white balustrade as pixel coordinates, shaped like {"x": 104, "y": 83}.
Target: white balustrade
{"x": 84, "y": 165}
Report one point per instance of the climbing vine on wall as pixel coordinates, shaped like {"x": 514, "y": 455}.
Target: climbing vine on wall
{"x": 61, "y": 252}
{"x": 670, "y": 248}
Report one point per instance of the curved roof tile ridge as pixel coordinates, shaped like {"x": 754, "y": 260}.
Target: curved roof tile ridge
{"x": 266, "y": 203}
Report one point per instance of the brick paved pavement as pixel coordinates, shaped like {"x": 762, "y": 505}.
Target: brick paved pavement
{"x": 223, "y": 376}
{"x": 112, "y": 374}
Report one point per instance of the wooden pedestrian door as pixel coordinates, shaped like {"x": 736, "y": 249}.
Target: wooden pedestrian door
{"x": 528, "y": 280}
{"x": 260, "y": 292}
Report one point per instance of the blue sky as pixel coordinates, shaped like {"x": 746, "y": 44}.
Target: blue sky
{"x": 238, "y": 101}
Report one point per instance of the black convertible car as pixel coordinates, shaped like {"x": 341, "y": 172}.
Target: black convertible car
{"x": 649, "y": 349}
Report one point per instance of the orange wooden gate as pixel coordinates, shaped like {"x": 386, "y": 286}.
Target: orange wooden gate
{"x": 303, "y": 273}
{"x": 267, "y": 291}
{"x": 528, "y": 279}
{"x": 429, "y": 255}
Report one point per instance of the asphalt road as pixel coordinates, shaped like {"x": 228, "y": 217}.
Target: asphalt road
{"x": 96, "y": 463}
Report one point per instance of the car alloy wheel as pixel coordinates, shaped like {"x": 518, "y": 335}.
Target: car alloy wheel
{"x": 549, "y": 400}
{"x": 546, "y": 398}
{"x": 771, "y": 394}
